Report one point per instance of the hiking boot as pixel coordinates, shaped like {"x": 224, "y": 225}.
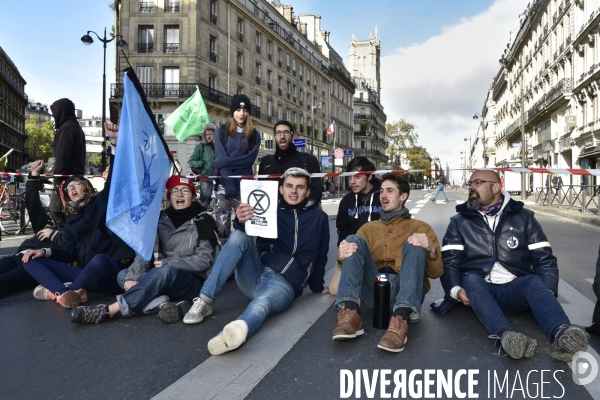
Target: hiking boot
{"x": 41, "y": 293}
{"x": 69, "y": 299}
{"x": 349, "y": 325}
{"x": 569, "y": 340}
{"x": 197, "y": 312}
{"x": 173, "y": 312}
{"x": 396, "y": 336}
{"x": 91, "y": 314}
{"x": 234, "y": 335}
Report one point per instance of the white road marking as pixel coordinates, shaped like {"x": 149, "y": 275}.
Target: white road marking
{"x": 414, "y": 211}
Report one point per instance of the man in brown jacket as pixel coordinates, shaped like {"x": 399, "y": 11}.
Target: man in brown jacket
{"x": 406, "y": 249}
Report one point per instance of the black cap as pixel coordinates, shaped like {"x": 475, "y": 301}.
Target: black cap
{"x": 239, "y": 101}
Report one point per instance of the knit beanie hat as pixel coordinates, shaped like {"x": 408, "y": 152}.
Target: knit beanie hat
{"x": 239, "y": 101}
{"x": 209, "y": 127}
{"x": 177, "y": 180}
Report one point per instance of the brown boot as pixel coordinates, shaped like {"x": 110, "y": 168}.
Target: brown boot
{"x": 349, "y": 325}
{"x": 395, "y": 337}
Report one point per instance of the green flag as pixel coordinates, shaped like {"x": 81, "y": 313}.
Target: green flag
{"x": 189, "y": 118}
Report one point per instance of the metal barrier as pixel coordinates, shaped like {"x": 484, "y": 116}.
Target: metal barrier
{"x": 580, "y": 198}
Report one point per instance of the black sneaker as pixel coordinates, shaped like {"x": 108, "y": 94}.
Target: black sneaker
{"x": 90, "y": 314}
{"x": 173, "y": 312}
{"x": 569, "y": 340}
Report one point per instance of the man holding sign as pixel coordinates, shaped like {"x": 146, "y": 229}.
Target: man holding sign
{"x": 271, "y": 272}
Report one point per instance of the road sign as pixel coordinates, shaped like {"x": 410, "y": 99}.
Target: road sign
{"x": 548, "y": 145}
{"x": 515, "y": 144}
{"x": 300, "y": 143}
{"x": 348, "y": 153}
{"x": 339, "y": 153}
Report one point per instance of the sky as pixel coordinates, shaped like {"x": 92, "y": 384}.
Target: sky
{"x": 439, "y": 57}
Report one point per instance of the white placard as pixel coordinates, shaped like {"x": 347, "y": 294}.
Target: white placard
{"x": 262, "y": 196}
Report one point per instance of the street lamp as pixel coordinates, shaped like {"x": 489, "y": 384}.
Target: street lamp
{"x": 477, "y": 116}
{"x": 312, "y": 121}
{"x": 504, "y": 62}
{"x": 87, "y": 40}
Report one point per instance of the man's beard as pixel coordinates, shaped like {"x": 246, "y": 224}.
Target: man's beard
{"x": 474, "y": 203}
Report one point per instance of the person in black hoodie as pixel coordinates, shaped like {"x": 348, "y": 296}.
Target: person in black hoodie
{"x": 358, "y": 207}
{"x": 287, "y": 156}
{"x": 68, "y": 150}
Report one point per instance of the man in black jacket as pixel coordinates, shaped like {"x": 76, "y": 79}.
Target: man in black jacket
{"x": 498, "y": 260}
{"x": 68, "y": 150}
{"x": 287, "y": 156}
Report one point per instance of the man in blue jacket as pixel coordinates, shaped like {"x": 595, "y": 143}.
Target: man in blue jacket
{"x": 498, "y": 260}
{"x": 271, "y": 272}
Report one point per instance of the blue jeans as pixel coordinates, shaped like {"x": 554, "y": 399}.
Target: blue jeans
{"x": 490, "y": 302}
{"x": 359, "y": 271}
{"x": 167, "y": 280}
{"x": 205, "y": 192}
{"x": 440, "y": 189}
{"x": 99, "y": 275}
{"x": 269, "y": 291}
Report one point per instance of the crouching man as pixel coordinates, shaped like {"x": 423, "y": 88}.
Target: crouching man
{"x": 270, "y": 272}
{"x": 405, "y": 248}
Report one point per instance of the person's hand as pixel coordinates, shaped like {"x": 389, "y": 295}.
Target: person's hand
{"x": 158, "y": 264}
{"x": 37, "y": 167}
{"x": 325, "y": 289}
{"x": 44, "y": 234}
{"x": 346, "y": 249}
{"x": 32, "y": 255}
{"x": 244, "y": 212}
{"x": 462, "y": 297}
{"x": 112, "y": 131}
{"x": 421, "y": 240}
{"x": 129, "y": 284}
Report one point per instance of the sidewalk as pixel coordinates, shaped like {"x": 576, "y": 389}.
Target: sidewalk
{"x": 562, "y": 212}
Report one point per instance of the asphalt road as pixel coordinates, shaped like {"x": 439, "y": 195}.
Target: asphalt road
{"x": 43, "y": 355}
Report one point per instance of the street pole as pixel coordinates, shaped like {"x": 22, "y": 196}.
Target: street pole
{"x": 312, "y": 134}
{"x": 523, "y": 147}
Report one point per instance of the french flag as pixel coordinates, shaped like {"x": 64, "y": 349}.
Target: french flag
{"x": 331, "y": 128}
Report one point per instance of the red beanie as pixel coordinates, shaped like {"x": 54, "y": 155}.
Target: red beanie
{"x": 177, "y": 180}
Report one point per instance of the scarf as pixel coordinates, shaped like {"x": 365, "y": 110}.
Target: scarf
{"x": 178, "y": 217}
{"x": 392, "y": 215}
{"x": 494, "y": 208}
{"x": 284, "y": 204}
{"x": 75, "y": 207}
{"x": 282, "y": 156}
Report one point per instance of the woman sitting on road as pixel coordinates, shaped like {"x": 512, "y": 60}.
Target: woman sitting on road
{"x": 99, "y": 253}
{"x": 188, "y": 240}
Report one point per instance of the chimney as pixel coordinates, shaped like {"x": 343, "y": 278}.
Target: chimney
{"x": 302, "y": 28}
{"x": 325, "y": 35}
{"x": 287, "y": 11}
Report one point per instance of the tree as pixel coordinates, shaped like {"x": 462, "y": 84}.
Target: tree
{"x": 418, "y": 158}
{"x": 40, "y": 138}
{"x": 399, "y": 136}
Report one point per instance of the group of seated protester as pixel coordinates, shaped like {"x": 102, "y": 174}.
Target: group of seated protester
{"x": 494, "y": 258}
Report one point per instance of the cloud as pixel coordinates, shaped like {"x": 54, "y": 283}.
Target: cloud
{"x": 439, "y": 84}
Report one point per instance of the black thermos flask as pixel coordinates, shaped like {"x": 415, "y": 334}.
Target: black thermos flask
{"x": 381, "y": 306}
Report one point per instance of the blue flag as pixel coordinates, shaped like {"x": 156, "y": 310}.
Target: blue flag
{"x": 141, "y": 170}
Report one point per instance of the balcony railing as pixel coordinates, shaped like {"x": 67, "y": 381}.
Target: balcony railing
{"x": 146, "y": 7}
{"x": 171, "y": 6}
{"x": 240, "y": 71}
{"x": 269, "y": 85}
{"x": 213, "y": 18}
{"x": 287, "y": 68}
{"x": 171, "y": 47}
{"x": 258, "y": 48}
{"x": 294, "y": 99}
{"x": 288, "y": 96}
{"x": 257, "y": 80}
{"x": 145, "y": 47}
{"x": 213, "y": 56}
{"x": 279, "y": 91}
{"x": 182, "y": 90}
{"x": 269, "y": 56}
{"x": 279, "y": 63}
{"x": 241, "y": 37}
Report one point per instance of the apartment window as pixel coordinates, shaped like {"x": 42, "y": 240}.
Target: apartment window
{"x": 289, "y": 90}
{"x": 240, "y": 90}
{"x": 241, "y": 30}
{"x": 146, "y": 6}
{"x": 301, "y": 96}
{"x": 171, "y": 81}
{"x": 308, "y": 76}
{"x": 279, "y": 60}
{"x": 240, "y": 63}
{"x": 294, "y": 66}
{"x": 287, "y": 62}
{"x": 171, "y": 44}
{"x": 269, "y": 79}
{"x": 257, "y": 41}
{"x": 279, "y": 112}
{"x": 213, "y": 48}
{"x": 288, "y": 115}
{"x": 269, "y": 50}
{"x": 212, "y": 82}
{"x": 301, "y": 70}
{"x": 280, "y": 85}
{"x": 146, "y": 39}
{"x": 213, "y": 12}
{"x": 258, "y": 99}
{"x": 145, "y": 74}
{"x": 257, "y": 73}
{"x": 269, "y": 108}
{"x": 171, "y": 6}
{"x": 294, "y": 92}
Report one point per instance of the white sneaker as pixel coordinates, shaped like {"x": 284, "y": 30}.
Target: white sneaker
{"x": 198, "y": 311}
{"x": 233, "y": 336}
{"x": 41, "y": 293}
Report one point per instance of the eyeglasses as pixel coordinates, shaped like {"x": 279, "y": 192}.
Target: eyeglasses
{"x": 478, "y": 182}
{"x": 73, "y": 185}
{"x": 183, "y": 191}
{"x": 283, "y": 133}
{"x": 209, "y": 134}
